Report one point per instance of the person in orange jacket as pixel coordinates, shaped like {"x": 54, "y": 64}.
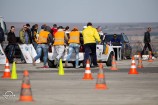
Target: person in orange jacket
{"x": 59, "y": 38}
{"x": 45, "y": 38}
{"x": 74, "y": 45}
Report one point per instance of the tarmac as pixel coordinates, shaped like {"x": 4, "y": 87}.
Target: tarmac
{"x": 48, "y": 88}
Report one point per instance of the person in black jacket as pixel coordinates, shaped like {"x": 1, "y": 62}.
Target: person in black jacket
{"x": 11, "y": 44}
{"x": 147, "y": 41}
{"x": 29, "y": 32}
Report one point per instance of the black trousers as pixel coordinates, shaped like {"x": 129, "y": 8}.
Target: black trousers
{"x": 90, "y": 47}
{"x": 147, "y": 45}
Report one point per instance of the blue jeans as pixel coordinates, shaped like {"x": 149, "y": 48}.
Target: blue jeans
{"x": 35, "y": 45}
{"x": 73, "y": 47}
{"x": 11, "y": 52}
{"x": 39, "y": 49}
{"x": 90, "y": 47}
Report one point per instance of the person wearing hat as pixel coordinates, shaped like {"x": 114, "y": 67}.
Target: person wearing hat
{"x": 45, "y": 38}
{"x": 74, "y": 40}
{"x": 59, "y": 38}
{"x": 90, "y": 36}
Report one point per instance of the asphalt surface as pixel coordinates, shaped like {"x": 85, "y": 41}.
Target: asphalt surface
{"x": 48, "y": 88}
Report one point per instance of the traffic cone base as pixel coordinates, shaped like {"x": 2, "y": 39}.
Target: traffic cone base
{"x": 87, "y": 74}
{"x": 140, "y": 66}
{"x": 133, "y": 69}
{"x": 87, "y": 77}
{"x": 114, "y": 66}
{"x": 7, "y": 73}
{"x": 26, "y": 98}
{"x": 14, "y": 77}
{"x": 150, "y": 60}
{"x": 101, "y": 86}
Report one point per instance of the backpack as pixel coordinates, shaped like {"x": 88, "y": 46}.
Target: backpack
{"x": 1, "y": 35}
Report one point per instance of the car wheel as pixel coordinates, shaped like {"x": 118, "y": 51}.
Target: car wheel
{"x": 74, "y": 65}
{"x": 51, "y": 64}
{"x": 109, "y": 61}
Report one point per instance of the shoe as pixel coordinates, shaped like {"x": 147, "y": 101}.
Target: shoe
{"x": 23, "y": 61}
{"x": 153, "y": 57}
{"x": 33, "y": 62}
{"x": 84, "y": 65}
{"x": 45, "y": 67}
{"x": 144, "y": 59}
{"x": 94, "y": 66}
{"x": 56, "y": 61}
{"x": 77, "y": 67}
{"x": 66, "y": 63}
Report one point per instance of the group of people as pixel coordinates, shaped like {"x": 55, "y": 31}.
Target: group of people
{"x": 57, "y": 37}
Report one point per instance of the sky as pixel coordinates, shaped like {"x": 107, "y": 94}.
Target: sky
{"x": 79, "y": 11}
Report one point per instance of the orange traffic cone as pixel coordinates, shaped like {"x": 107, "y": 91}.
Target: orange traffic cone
{"x": 150, "y": 57}
{"x": 87, "y": 74}
{"x": 140, "y": 64}
{"x": 101, "y": 84}
{"x": 133, "y": 69}
{"x": 26, "y": 93}
{"x": 7, "y": 73}
{"x": 114, "y": 66}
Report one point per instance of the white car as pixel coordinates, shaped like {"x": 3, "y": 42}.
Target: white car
{"x": 103, "y": 56}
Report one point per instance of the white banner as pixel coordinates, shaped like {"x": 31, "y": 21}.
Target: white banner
{"x": 2, "y": 56}
{"x": 28, "y": 52}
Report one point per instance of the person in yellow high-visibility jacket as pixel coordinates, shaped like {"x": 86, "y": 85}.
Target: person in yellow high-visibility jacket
{"x": 59, "y": 38}
{"x": 90, "y": 36}
{"x": 74, "y": 45}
